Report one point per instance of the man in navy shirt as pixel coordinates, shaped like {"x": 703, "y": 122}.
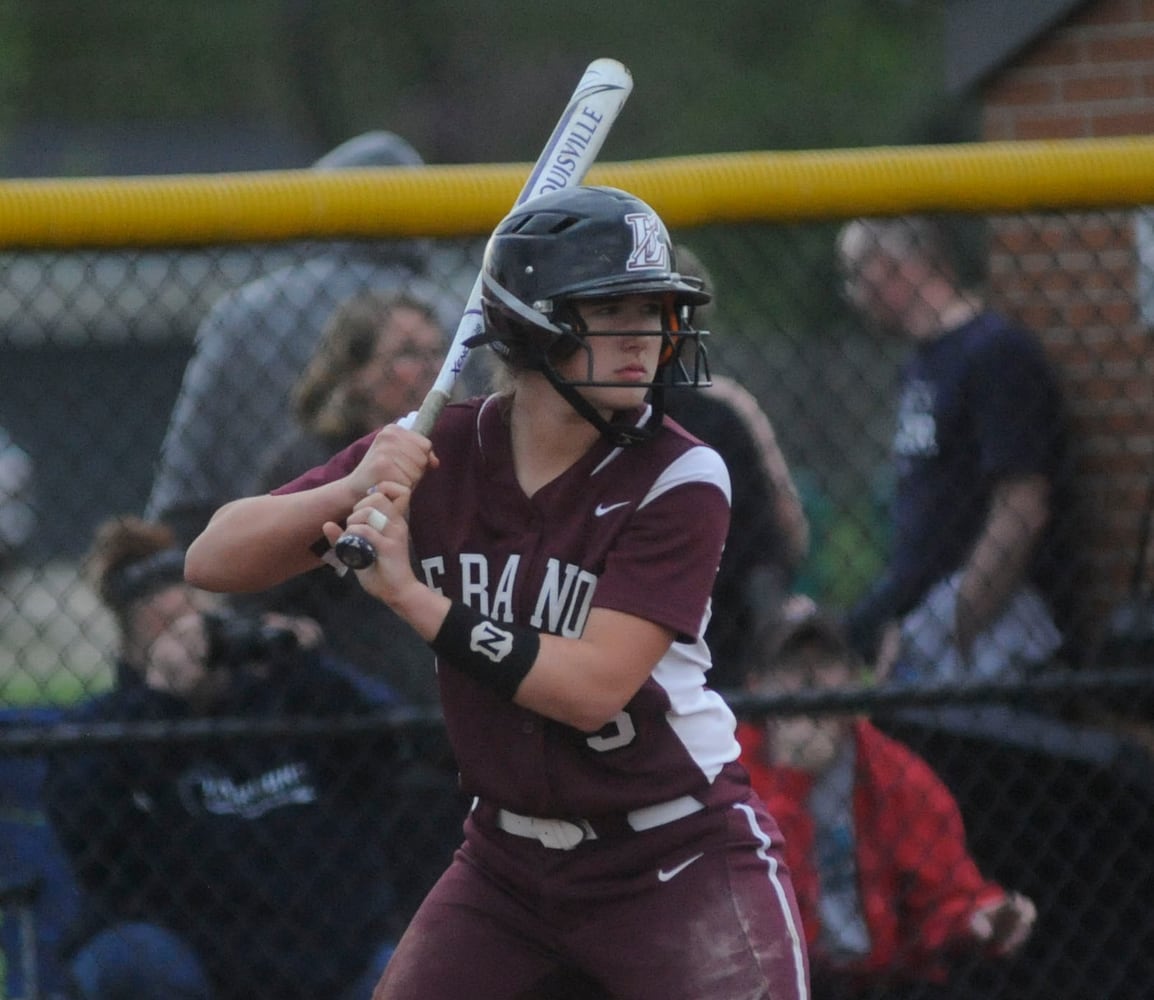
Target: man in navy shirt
{"x": 974, "y": 581}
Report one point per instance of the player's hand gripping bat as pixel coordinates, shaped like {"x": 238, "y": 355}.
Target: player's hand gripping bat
{"x": 566, "y": 158}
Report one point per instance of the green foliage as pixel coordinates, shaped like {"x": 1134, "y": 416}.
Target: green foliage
{"x": 482, "y": 82}
{"x": 821, "y": 74}
{"x": 131, "y": 59}
{"x": 57, "y": 688}
{"x": 848, "y": 545}
{"x": 15, "y": 56}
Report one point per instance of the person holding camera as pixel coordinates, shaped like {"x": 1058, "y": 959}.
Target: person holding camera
{"x": 222, "y": 868}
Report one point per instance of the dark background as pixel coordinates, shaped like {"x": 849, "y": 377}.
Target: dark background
{"x": 130, "y": 86}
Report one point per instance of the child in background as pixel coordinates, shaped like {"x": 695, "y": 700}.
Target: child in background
{"x": 874, "y": 840}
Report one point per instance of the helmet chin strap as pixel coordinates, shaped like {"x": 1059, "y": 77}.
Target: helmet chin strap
{"x": 619, "y": 434}
{"x": 567, "y": 322}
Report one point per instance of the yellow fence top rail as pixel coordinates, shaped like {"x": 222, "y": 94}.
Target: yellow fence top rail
{"x": 470, "y": 199}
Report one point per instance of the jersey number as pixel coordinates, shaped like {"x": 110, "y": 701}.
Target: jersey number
{"x": 619, "y": 732}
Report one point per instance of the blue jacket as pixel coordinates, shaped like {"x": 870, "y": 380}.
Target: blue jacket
{"x": 272, "y": 856}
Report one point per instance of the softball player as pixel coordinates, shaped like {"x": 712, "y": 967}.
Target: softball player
{"x": 556, "y": 544}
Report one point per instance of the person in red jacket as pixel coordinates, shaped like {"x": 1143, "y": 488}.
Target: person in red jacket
{"x": 874, "y": 840}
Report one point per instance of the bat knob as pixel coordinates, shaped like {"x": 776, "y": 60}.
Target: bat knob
{"x": 355, "y": 552}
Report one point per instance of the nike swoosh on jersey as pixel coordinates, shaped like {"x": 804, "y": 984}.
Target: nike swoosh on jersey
{"x": 602, "y": 508}
{"x": 665, "y": 874}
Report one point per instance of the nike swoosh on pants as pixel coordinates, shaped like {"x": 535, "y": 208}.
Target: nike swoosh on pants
{"x": 665, "y": 874}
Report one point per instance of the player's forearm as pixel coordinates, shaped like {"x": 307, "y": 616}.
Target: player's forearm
{"x": 587, "y": 682}
{"x": 581, "y": 682}
{"x": 420, "y": 606}
{"x": 577, "y": 701}
{"x": 257, "y": 542}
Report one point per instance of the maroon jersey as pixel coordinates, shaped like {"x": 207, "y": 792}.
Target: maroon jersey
{"x": 638, "y": 530}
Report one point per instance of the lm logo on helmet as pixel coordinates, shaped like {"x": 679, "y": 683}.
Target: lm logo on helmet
{"x": 650, "y": 250}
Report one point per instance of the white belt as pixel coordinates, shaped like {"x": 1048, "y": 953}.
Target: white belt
{"x": 565, "y": 834}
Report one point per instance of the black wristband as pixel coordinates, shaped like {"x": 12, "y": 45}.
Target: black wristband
{"x": 498, "y": 656}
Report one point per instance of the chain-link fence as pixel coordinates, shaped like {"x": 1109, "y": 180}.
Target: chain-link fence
{"x": 159, "y": 808}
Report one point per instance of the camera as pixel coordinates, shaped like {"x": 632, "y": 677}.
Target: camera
{"x": 235, "y": 641}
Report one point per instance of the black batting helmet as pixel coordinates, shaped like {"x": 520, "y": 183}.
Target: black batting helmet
{"x": 583, "y": 243}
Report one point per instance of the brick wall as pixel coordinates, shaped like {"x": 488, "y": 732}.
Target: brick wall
{"x": 1073, "y": 278}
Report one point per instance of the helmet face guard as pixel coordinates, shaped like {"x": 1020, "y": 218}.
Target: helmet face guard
{"x": 672, "y": 369}
{"x": 587, "y": 243}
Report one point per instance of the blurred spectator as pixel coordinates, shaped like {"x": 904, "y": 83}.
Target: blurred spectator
{"x": 137, "y": 571}
{"x": 377, "y": 358}
{"x": 17, "y": 509}
{"x": 979, "y": 579}
{"x": 768, "y": 533}
{"x": 888, "y": 892}
{"x": 253, "y": 345}
{"x": 231, "y": 868}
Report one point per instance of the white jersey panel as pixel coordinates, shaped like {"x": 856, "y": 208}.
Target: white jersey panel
{"x": 698, "y": 716}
